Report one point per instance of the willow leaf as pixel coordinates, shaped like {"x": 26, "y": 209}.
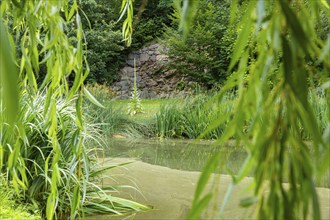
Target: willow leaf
{"x": 205, "y": 176}
{"x": 8, "y": 76}
{"x": 91, "y": 98}
{"x": 199, "y": 207}
{"x": 244, "y": 35}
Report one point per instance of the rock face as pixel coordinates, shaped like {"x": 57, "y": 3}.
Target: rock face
{"x": 153, "y": 79}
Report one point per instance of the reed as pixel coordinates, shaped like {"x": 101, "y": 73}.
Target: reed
{"x": 192, "y": 118}
{"x": 168, "y": 121}
{"x": 75, "y": 175}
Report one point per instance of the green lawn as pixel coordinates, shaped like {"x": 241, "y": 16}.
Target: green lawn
{"x": 150, "y": 107}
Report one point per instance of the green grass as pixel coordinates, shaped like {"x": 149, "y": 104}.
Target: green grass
{"x": 77, "y": 178}
{"x": 12, "y": 205}
{"x": 192, "y": 117}
{"x": 150, "y": 108}
{"x": 164, "y": 118}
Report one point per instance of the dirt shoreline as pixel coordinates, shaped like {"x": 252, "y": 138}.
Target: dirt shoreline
{"x": 171, "y": 192}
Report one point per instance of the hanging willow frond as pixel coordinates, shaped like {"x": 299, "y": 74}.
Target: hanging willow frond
{"x": 127, "y": 28}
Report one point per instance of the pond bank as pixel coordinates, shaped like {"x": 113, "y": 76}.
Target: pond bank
{"x": 171, "y": 192}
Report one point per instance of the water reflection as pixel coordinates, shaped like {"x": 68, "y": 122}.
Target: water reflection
{"x": 176, "y": 154}
{"x": 171, "y": 191}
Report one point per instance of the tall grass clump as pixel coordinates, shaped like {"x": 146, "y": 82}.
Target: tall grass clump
{"x": 168, "y": 120}
{"x": 319, "y": 101}
{"x": 193, "y": 117}
{"x": 199, "y": 114}
{"x": 110, "y": 119}
{"x": 320, "y": 109}
{"x": 36, "y": 151}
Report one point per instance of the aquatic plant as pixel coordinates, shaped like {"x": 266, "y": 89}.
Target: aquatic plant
{"x": 192, "y": 118}
{"x": 168, "y": 121}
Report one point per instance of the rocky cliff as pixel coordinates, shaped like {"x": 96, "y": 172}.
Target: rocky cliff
{"x": 153, "y": 79}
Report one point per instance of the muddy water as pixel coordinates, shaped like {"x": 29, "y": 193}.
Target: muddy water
{"x": 165, "y": 175}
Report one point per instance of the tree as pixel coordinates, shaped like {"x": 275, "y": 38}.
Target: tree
{"x": 42, "y": 126}
{"x": 275, "y": 43}
{"x": 204, "y": 54}
{"x": 104, "y": 44}
{"x": 150, "y": 21}
{"x": 105, "y": 50}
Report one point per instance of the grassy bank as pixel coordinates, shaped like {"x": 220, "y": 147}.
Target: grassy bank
{"x": 36, "y": 151}
{"x": 12, "y": 205}
{"x": 199, "y": 116}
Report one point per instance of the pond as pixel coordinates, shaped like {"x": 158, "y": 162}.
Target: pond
{"x": 189, "y": 155}
{"x": 165, "y": 174}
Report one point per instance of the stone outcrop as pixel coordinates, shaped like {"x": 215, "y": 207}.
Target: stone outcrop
{"x": 153, "y": 79}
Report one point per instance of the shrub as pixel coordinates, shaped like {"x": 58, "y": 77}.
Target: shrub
{"x": 37, "y": 150}
{"x": 104, "y": 41}
{"x": 205, "y": 53}
{"x": 104, "y": 52}
{"x": 150, "y": 22}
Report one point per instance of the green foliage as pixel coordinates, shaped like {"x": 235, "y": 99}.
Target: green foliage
{"x": 145, "y": 32}
{"x": 12, "y": 206}
{"x": 321, "y": 109}
{"x": 44, "y": 152}
{"x": 151, "y": 20}
{"x": 193, "y": 118}
{"x": 101, "y": 92}
{"x": 104, "y": 53}
{"x": 127, "y": 29}
{"x": 167, "y": 121}
{"x": 103, "y": 39}
{"x": 199, "y": 115}
{"x": 204, "y": 54}
{"x": 37, "y": 150}
{"x": 99, "y": 11}
{"x": 274, "y": 43}
{"x": 103, "y": 32}
{"x": 40, "y": 31}
{"x": 9, "y": 93}
{"x": 110, "y": 120}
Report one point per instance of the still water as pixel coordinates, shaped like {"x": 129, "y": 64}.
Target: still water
{"x": 165, "y": 173}
{"x": 175, "y": 154}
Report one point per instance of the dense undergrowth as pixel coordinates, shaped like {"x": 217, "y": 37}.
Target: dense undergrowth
{"x": 191, "y": 117}
{"x": 35, "y": 152}
{"x": 12, "y": 205}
